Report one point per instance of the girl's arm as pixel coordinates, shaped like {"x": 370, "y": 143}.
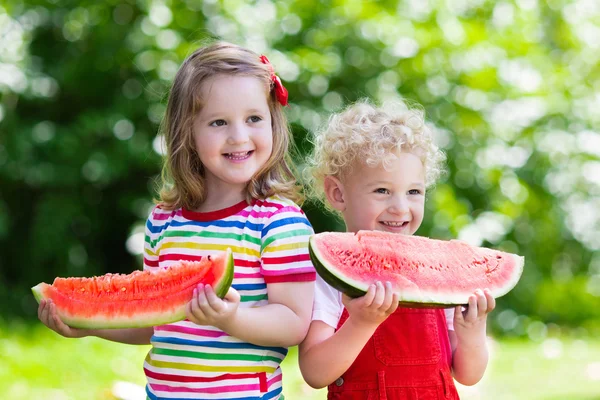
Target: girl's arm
{"x": 49, "y": 317}
{"x": 283, "y": 322}
{"x": 326, "y": 354}
{"x": 468, "y": 340}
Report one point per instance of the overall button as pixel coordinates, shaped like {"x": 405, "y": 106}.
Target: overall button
{"x": 339, "y": 381}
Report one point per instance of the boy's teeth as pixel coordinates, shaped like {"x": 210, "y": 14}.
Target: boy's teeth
{"x": 394, "y": 224}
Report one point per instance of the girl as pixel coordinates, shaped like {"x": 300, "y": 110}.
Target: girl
{"x": 227, "y": 183}
{"x": 373, "y": 166}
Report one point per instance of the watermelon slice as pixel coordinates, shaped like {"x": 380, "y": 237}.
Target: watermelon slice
{"x": 424, "y": 272}
{"x": 139, "y": 299}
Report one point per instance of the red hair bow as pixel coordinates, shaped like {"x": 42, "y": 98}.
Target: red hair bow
{"x": 281, "y": 92}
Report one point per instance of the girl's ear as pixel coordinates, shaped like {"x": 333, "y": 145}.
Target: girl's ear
{"x": 334, "y": 192}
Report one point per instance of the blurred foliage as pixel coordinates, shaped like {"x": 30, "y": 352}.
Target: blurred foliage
{"x": 512, "y": 87}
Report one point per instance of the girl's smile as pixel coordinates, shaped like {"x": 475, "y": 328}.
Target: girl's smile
{"x": 232, "y": 135}
{"x": 239, "y": 156}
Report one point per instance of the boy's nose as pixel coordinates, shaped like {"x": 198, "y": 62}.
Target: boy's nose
{"x": 237, "y": 134}
{"x": 399, "y": 205}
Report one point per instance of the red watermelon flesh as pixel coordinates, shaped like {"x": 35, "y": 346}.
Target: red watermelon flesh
{"x": 140, "y": 299}
{"x": 422, "y": 271}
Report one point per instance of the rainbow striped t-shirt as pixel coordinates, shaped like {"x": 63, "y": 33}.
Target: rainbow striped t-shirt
{"x": 269, "y": 240}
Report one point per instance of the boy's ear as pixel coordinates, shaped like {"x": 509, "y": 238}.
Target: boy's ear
{"x": 334, "y": 192}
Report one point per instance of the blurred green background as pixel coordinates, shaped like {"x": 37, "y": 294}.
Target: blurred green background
{"x": 512, "y": 86}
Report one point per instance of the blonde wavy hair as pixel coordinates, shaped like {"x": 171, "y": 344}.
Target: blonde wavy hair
{"x": 183, "y": 177}
{"x": 372, "y": 135}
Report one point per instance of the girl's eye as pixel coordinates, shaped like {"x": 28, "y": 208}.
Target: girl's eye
{"x": 414, "y": 191}
{"x": 219, "y": 122}
{"x": 382, "y": 191}
{"x": 255, "y": 118}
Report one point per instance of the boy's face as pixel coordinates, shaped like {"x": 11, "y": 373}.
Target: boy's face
{"x": 391, "y": 200}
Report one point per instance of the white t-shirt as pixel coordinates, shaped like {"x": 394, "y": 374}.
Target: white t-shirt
{"x": 328, "y": 306}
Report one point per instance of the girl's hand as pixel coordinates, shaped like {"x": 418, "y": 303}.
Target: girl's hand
{"x": 470, "y": 324}
{"x": 206, "y": 308}
{"x": 374, "y": 307}
{"x": 49, "y": 317}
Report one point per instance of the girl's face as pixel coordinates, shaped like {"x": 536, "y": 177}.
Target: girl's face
{"x": 232, "y": 133}
{"x": 391, "y": 200}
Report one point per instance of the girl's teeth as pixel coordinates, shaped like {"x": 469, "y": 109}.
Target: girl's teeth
{"x": 238, "y": 156}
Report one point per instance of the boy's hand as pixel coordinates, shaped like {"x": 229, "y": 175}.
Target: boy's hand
{"x": 206, "y": 308}
{"x": 374, "y": 307}
{"x": 470, "y": 324}
{"x": 49, "y": 317}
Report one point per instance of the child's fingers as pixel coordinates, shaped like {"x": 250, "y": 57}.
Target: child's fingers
{"x": 203, "y": 302}
{"x": 471, "y": 312}
{"x": 379, "y": 295}
{"x": 394, "y": 305}
{"x": 192, "y": 313}
{"x": 481, "y": 303}
{"x": 63, "y": 328}
{"x": 368, "y": 298}
{"x": 43, "y": 311}
{"x": 491, "y": 301}
{"x": 49, "y": 317}
{"x": 458, "y": 314}
{"x": 41, "y": 308}
{"x": 387, "y": 297}
{"x": 214, "y": 302}
{"x": 60, "y": 326}
{"x": 45, "y": 315}
{"x": 55, "y": 323}
{"x": 199, "y": 301}
{"x": 193, "y": 310}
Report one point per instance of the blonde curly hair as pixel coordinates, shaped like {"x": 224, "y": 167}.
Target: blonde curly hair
{"x": 373, "y": 135}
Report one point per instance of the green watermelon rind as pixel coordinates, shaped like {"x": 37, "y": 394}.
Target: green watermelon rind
{"x": 224, "y": 284}
{"x": 354, "y": 288}
{"x": 178, "y": 313}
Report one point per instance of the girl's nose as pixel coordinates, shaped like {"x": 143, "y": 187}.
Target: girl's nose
{"x": 238, "y": 133}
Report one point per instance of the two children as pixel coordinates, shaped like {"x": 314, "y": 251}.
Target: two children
{"x": 228, "y": 183}
{"x": 373, "y": 167}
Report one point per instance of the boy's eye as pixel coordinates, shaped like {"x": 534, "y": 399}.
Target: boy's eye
{"x": 414, "y": 191}
{"x": 218, "y": 122}
{"x": 382, "y": 191}
{"x": 255, "y": 118}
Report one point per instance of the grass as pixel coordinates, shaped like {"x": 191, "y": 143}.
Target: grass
{"x": 38, "y": 364}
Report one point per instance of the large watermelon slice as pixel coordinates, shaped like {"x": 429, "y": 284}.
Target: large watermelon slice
{"x": 424, "y": 272}
{"x": 139, "y": 299}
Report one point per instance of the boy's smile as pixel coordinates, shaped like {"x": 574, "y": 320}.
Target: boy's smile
{"x": 388, "y": 199}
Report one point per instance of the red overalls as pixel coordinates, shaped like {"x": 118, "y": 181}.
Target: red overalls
{"x": 408, "y": 357}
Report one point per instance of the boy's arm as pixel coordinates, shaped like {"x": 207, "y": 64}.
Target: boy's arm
{"x": 468, "y": 340}
{"x": 49, "y": 317}
{"x": 326, "y": 354}
{"x": 283, "y": 322}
